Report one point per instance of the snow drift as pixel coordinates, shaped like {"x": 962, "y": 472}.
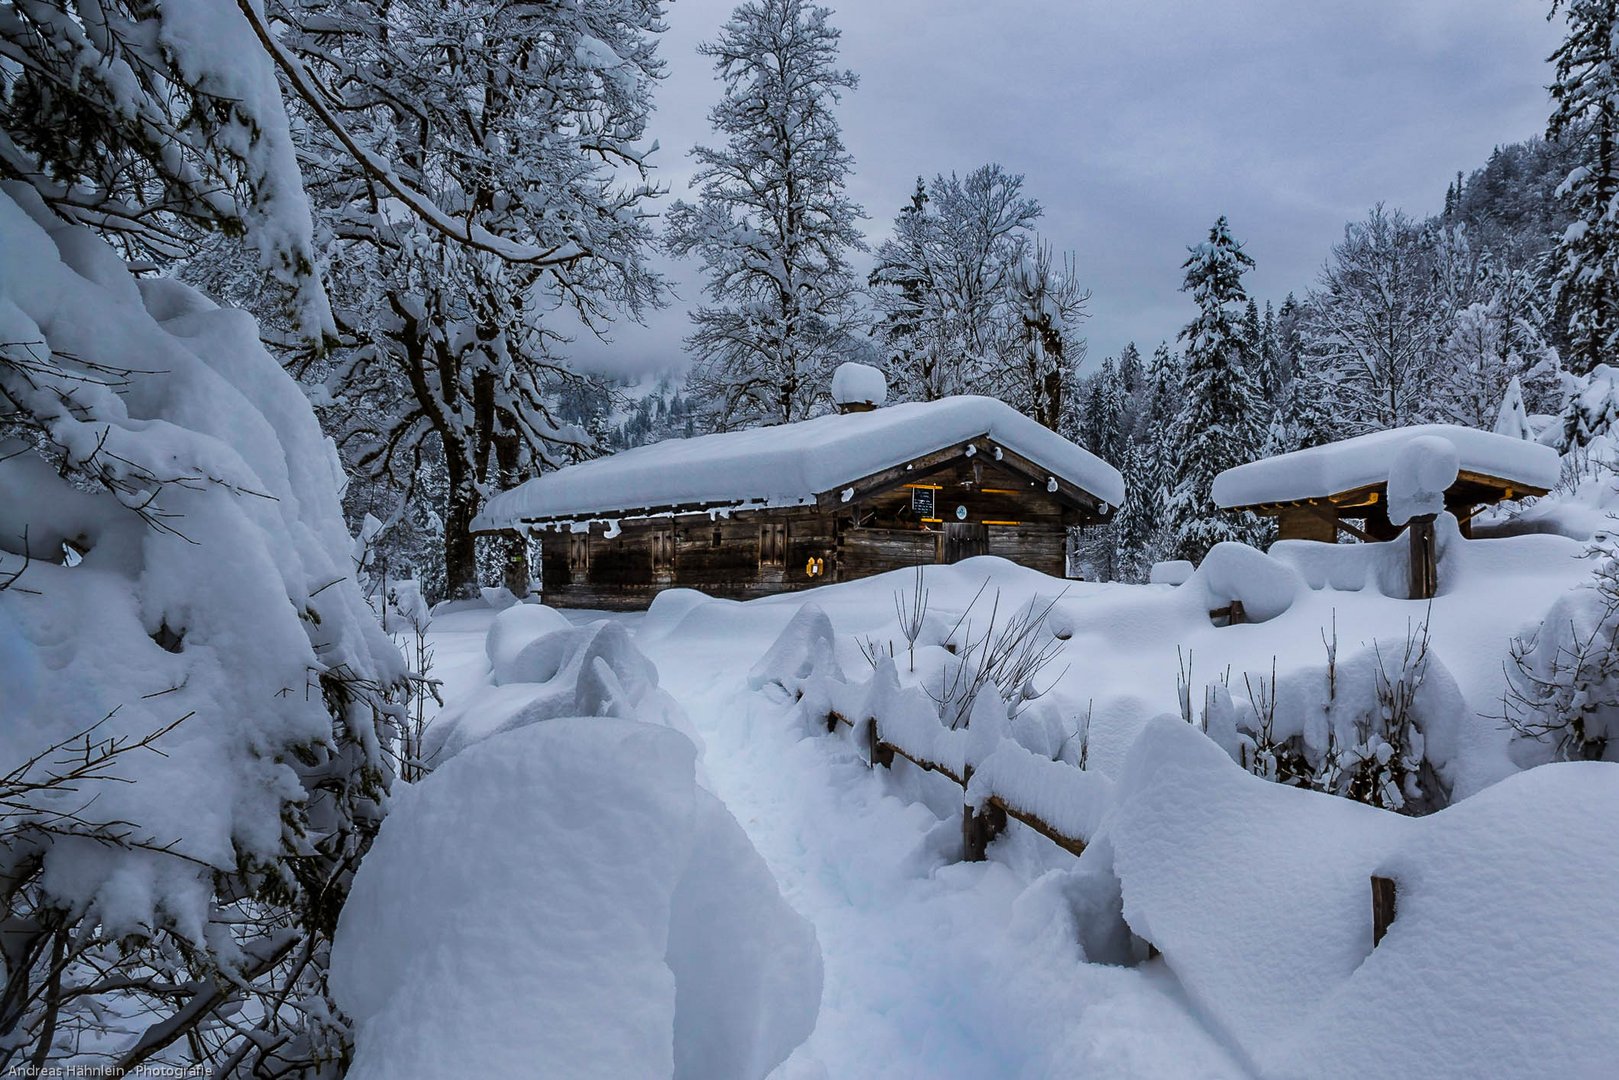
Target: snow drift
{"x": 563, "y": 900}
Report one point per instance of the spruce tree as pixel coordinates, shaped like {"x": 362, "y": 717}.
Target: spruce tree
{"x": 1220, "y": 422}
{"x": 1585, "y": 94}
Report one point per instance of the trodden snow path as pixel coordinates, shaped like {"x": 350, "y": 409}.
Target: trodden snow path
{"x": 933, "y": 968}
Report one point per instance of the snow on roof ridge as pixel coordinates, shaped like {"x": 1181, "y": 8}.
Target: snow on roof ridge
{"x": 1364, "y": 460}
{"x": 790, "y": 464}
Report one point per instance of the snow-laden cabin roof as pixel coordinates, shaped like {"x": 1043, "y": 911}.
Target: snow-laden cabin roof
{"x": 1364, "y": 461}
{"x": 790, "y": 464}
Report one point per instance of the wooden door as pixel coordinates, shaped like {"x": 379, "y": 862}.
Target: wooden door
{"x": 963, "y": 540}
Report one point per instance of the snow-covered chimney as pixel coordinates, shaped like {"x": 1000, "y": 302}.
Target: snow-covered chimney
{"x": 858, "y": 388}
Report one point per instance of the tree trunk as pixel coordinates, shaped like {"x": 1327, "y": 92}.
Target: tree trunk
{"x": 460, "y": 549}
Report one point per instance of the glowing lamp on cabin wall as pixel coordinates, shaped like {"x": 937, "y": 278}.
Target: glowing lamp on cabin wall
{"x": 815, "y": 567}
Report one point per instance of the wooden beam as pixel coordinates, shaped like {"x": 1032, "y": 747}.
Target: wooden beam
{"x": 1383, "y": 907}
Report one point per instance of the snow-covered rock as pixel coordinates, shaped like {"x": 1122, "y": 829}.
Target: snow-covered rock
{"x": 564, "y": 900}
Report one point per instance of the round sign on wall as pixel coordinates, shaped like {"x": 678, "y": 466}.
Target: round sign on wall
{"x": 961, "y": 513}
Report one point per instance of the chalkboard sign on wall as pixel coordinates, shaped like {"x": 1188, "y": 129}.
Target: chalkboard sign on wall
{"x": 922, "y": 501}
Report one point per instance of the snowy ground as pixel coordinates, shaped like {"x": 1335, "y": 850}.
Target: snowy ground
{"x": 935, "y": 967}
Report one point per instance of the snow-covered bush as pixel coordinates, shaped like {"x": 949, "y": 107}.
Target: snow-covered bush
{"x": 194, "y": 697}
{"x": 1562, "y": 695}
{"x": 1377, "y": 726}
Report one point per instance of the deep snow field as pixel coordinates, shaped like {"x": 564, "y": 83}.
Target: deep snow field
{"x": 636, "y": 908}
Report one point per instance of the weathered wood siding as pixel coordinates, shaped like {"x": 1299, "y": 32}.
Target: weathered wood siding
{"x": 760, "y": 553}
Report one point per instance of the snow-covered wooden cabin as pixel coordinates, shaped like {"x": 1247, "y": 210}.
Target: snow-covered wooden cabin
{"x": 767, "y": 510}
{"x": 1317, "y": 493}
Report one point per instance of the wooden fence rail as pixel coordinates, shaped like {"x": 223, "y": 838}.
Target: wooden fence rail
{"x": 977, "y": 828}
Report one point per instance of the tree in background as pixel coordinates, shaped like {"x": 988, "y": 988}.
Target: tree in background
{"x": 1585, "y": 94}
{"x": 1220, "y": 421}
{"x": 945, "y": 285}
{"x": 1373, "y": 322}
{"x": 773, "y": 226}
{"x": 1040, "y": 372}
{"x": 524, "y": 124}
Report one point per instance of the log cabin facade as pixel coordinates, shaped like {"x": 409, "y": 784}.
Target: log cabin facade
{"x": 770, "y": 510}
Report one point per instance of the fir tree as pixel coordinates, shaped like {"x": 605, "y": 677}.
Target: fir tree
{"x": 1134, "y": 524}
{"x": 1219, "y": 423}
{"x": 1586, "y": 101}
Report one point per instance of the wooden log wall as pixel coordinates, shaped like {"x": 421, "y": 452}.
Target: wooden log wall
{"x": 764, "y": 552}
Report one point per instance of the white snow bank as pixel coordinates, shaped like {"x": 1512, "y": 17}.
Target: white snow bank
{"x": 1423, "y": 470}
{"x": 1231, "y": 571}
{"x": 858, "y": 384}
{"x": 1070, "y": 800}
{"x": 1258, "y": 896}
{"x": 565, "y": 901}
{"x": 790, "y": 464}
{"x": 1321, "y": 471}
{"x": 513, "y": 630}
{"x": 1170, "y": 572}
{"x": 593, "y": 670}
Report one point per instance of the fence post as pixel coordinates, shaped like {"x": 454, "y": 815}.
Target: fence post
{"x": 880, "y": 752}
{"x": 1382, "y": 907}
{"x": 977, "y": 830}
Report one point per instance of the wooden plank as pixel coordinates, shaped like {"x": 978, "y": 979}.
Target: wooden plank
{"x": 1424, "y": 558}
{"x": 1383, "y": 907}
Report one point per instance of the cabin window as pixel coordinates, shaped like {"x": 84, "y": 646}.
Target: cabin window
{"x": 663, "y": 549}
{"x": 579, "y": 553}
{"x": 717, "y": 537}
{"x": 773, "y": 544}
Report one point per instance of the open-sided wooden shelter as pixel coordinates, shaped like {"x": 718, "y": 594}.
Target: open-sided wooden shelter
{"x": 767, "y": 510}
{"x": 1342, "y": 487}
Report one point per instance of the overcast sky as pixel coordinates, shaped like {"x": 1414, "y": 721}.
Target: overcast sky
{"x": 1137, "y": 122}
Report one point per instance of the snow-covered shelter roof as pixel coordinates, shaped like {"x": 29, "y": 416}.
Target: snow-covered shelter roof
{"x": 1509, "y": 466}
{"x": 793, "y": 464}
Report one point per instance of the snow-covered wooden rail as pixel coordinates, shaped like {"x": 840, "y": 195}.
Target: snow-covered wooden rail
{"x": 986, "y": 808}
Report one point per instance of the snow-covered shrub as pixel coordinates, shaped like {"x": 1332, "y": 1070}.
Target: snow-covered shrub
{"x": 194, "y": 697}
{"x": 1562, "y": 695}
{"x": 1377, "y": 726}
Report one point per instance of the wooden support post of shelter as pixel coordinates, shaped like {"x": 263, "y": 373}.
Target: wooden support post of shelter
{"x": 1382, "y": 907}
{"x": 1424, "y": 558}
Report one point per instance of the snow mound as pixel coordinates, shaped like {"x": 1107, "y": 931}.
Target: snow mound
{"x": 1258, "y": 896}
{"x": 1423, "y": 469}
{"x": 1266, "y": 587}
{"x": 513, "y": 630}
{"x": 1172, "y": 572}
{"x": 806, "y": 647}
{"x": 593, "y": 670}
{"x": 578, "y": 907}
{"x": 858, "y": 384}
